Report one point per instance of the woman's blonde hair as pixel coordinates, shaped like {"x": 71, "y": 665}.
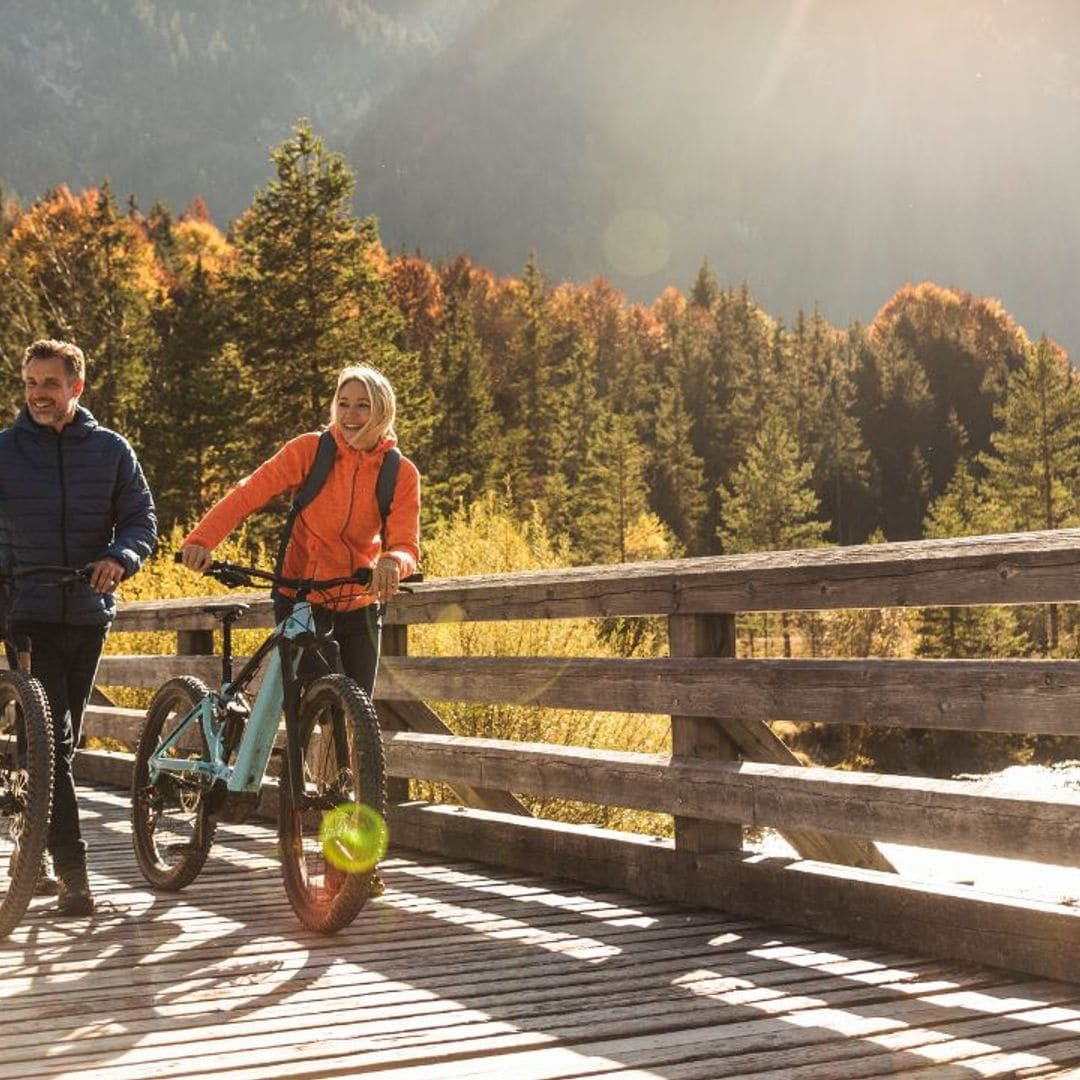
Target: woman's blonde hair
{"x": 383, "y": 402}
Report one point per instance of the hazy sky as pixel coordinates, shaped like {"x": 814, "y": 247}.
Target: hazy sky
{"x": 827, "y": 151}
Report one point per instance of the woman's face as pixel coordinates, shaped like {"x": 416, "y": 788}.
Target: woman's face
{"x": 354, "y": 415}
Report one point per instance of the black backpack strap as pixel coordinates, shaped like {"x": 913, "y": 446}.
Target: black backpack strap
{"x": 310, "y": 486}
{"x": 385, "y": 485}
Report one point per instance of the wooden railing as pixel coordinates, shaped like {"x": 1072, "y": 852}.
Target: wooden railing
{"x": 727, "y": 769}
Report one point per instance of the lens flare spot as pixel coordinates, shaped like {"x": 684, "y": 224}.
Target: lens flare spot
{"x": 451, "y": 613}
{"x": 637, "y": 242}
{"x": 354, "y": 837}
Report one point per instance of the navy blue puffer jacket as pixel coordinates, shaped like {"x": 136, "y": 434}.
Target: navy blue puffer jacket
{"x": 68, "y": 498}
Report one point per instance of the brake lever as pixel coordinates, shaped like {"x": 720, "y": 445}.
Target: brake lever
{"x": 231, "y": 577}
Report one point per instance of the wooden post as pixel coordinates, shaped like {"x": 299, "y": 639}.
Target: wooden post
{"x": 395, "y": 642}
{"x": 701, "y": 737}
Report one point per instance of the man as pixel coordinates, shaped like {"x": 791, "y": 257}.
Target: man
{"x": 71, "y": 494}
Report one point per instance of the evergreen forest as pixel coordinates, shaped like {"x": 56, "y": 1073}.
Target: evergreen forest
{"x": 697, "y": 424}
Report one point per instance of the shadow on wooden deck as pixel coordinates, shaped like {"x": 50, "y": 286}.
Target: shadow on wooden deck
{"x": 463, "y": 971}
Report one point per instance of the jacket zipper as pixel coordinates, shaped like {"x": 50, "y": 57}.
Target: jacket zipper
{"x": 63, "y": 519}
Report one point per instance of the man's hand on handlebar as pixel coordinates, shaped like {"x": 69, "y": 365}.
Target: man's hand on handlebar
{"x": 105, "y": 575}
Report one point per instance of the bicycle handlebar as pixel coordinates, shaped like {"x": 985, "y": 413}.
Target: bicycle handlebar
{"x": 236, "y": 576}
{"x": 62, "y": 575}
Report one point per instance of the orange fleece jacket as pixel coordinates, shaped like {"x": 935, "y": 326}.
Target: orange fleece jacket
{"x": 338, "y": 531}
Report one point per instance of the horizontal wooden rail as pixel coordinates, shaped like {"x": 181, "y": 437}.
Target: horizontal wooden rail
{"x": 1024, "y": 696}
{"x": 946, "y": 814}
{"x": 973, "y": 695}
{"x": 1016, "y": 568}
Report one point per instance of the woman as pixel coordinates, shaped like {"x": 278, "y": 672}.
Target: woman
{"x": 339, "y": 531}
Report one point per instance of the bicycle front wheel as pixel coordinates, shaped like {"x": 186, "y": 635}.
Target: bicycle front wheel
{"x": 171, "y": 827}
{"x": 344, "y": 773}
{"x": 26, "y": 787}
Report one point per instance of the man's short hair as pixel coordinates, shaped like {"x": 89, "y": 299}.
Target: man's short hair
{"x": 46, "y": 348}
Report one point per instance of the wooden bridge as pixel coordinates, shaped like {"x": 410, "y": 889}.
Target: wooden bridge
{"x": 578, "y": 952}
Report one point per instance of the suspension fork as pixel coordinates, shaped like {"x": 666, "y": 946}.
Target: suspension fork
{"x": 294, "y": 756}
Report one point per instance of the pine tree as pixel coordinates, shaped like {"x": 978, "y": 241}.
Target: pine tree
{"x": 531, "y": 387}
{"x": 706, "y": 289}
{"x": 894, "y": 406}
{"x": 464, "y": 452}
{"x": 770, "y": 504}
{"x": 1034, "y": 469}
{"x": 678, "y": 483}
{"x": 1033, "y": 474}
{"x": 308, "y": 298}
{"x": 613, "y": 493}
{"x": 842, "y": 467}
{"x": 196, "y": 454}
{"x": 963, "y": 510}
{"x": 565, "y": 501}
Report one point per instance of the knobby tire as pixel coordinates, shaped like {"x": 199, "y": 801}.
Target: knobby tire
{"x": 343, "y": 759}
{"x": 169, "y": 816}
{"x": 26, "y": 788}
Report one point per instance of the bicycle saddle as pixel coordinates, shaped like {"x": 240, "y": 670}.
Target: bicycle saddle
{"x": 228, "y": 611}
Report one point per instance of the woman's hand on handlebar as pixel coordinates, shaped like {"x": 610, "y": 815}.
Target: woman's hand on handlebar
{"x": 385, "y": 578}
{"x": 196, "y": 557}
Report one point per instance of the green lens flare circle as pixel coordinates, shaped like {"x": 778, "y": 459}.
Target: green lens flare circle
{"x": 354, "y": 837}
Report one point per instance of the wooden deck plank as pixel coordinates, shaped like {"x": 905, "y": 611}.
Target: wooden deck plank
{"x": 460, "y": 972}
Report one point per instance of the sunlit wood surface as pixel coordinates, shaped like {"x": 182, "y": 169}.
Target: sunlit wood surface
{"x": 462, "y": 971}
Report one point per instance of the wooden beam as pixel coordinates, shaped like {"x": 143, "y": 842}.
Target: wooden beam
{"x": 1033, "y": 696}
{"x": 415, "y": 716}
{"x": 1016, "y": 568}
{"x": 952, "y": 815}
{"x": 152, "y": 671}
{"x": 113, "y": 722}
{"x": 948, "y": 921}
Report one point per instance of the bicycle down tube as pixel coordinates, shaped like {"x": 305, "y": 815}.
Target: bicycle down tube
{"x": 253, "y": 752}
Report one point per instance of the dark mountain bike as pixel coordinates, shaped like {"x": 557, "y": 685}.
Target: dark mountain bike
{"x": 26, "y": 765}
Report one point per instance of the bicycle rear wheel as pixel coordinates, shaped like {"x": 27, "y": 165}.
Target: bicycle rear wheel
{"x": 343, "y": 764}
{"x": 26, "y": 787}
{"x": 171, "y": 828}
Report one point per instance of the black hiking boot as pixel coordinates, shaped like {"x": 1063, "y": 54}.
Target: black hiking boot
{"x": 75, "y": 897}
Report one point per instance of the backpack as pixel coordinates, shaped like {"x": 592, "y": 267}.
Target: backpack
{"x": 312, "y": 484}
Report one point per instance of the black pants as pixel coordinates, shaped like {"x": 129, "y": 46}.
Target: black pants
{"x": 358, "y": 634}
{"x": 64, "y": 659}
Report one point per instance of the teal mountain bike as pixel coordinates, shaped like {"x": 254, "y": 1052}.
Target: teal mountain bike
{"x": 203, "y": 754}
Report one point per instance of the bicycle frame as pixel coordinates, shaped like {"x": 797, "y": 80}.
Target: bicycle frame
{"x": 280, "y": 690}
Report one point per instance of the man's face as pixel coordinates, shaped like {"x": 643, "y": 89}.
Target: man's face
{"x": 51, "y": 393}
